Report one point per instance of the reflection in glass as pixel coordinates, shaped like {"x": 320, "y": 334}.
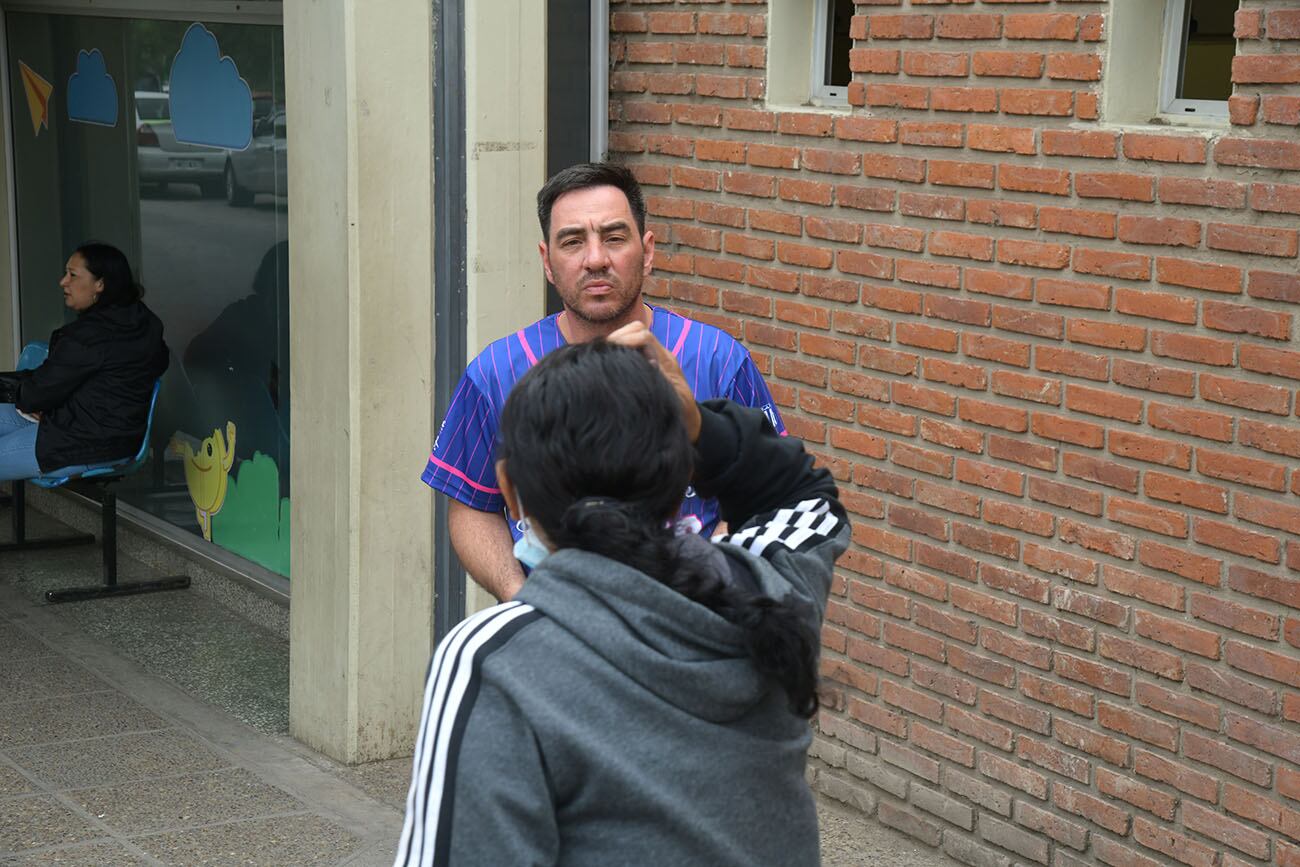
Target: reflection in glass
{"x": 209, "y": 228}
{"x": 838, "y": 42}
{"x": 1205, "y": 69}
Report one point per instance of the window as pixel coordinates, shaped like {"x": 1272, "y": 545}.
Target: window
{"x": 204, "y": 222}
{"x": 1196, "y": 78}
{"x": 831, "y": 44}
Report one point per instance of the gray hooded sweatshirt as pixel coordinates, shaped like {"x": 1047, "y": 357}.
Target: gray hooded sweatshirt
{"x": 602, "y": 718}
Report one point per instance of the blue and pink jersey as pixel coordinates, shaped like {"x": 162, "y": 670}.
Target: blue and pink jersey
{"x": 463, "y": 462}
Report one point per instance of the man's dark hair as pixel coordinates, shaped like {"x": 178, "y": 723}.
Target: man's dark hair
{"x": 583, "y": 176}
{"x": 601, "y": 473}
{"x": 106, "y": 262}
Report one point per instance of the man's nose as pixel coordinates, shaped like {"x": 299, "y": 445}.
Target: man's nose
{"x": 596, "y": 256}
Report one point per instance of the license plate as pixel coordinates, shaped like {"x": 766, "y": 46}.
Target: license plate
{"x": 187, "y": 164}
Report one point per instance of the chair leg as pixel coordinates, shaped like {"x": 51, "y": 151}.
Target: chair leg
{"x": 111, "y": 587}
{"x": 22, "y": 543}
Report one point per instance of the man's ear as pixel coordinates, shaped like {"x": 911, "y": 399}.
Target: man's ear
{"x": 508, "y": 491}
{"x": 648, "y": 252}
{"x": 545, "y": 253}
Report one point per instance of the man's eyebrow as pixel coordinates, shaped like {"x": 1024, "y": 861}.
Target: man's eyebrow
{"x": 611, "y": 226}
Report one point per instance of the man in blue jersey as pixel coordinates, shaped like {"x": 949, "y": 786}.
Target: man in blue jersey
{"x": 596, "y": 251}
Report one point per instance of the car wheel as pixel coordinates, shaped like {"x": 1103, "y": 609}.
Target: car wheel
{"x": 236, "y": 196}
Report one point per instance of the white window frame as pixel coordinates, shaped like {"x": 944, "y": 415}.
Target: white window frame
{"x": 1175, "y": 41}
{"x": 821, "y": 92}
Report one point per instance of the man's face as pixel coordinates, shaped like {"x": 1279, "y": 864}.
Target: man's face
{"x": 595, "y": 256}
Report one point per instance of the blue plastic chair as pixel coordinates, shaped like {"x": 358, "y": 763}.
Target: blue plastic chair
{"x": 103, "y": 475}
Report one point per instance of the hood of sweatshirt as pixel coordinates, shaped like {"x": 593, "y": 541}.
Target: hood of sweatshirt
{"x": 671, "y": 646}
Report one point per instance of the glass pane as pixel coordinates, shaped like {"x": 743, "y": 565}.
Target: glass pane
{"x": 838, "y": 42}
{"x": 1208, "y": 49}
{"x": 185, "y": 172}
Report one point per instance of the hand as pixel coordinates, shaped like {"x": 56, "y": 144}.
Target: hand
{"x": 637, "y": 336}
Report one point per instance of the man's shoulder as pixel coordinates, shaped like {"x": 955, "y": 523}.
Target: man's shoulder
{"x": 511, "y": 354}
{"x": 711, "y": 337}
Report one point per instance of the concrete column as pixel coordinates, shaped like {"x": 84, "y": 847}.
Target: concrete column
{"x": 505, "y": 135}
{"x": 360, "y": 97}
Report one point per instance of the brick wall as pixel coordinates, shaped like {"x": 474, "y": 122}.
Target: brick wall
{"x": 1050, "y": 360}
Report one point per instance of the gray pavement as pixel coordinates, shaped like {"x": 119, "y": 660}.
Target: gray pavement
{"x": 153, "y": 730}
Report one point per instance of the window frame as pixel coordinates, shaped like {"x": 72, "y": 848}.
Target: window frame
{"x": 820, "y": 92}
{"x": 1175, "y": 43}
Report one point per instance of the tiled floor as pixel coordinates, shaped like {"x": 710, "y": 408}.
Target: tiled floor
{"x": 153, "y": 730}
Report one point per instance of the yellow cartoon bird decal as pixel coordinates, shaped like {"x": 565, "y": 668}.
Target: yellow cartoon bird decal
{"x": 207, "y": 473}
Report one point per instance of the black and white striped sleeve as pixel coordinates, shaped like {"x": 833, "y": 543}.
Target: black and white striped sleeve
{"x": 475, "y": 775}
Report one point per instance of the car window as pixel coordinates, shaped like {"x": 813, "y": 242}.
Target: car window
{"x": 152, "y": 108}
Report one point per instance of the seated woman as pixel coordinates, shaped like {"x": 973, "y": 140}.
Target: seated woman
{"x": 645, "y": 698}
{"x": 89, "y": 402}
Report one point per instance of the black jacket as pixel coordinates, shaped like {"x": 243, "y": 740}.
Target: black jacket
{"x": 93, "y": 391}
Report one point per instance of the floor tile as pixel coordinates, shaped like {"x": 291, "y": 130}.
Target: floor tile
{"x": 181, "y": 802}
{"x": 27, "y": 823}
{"x": 117, "y": 759}
{"x": 287, "y": 841}
{"x": 66, "y": 718}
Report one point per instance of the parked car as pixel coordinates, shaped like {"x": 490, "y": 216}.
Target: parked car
{"x": 262, "y": 166}
{"x": 161, "y": 159}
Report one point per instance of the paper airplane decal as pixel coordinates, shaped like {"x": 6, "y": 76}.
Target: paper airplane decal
{"x": 38, "y": 97}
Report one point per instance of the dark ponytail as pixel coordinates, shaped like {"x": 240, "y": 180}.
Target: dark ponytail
{"x": 594, "y": 443}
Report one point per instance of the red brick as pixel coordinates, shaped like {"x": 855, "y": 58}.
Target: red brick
{"x": 1132, "y": 513}
{"x": 1247, "y": 395}
{"x": 1163, "y": 231}
{"x": 1239, "y": 319}
{"x": 1189, "y": 347}
{"x": 1273, "y": 286}
{"x": 1227, "y": 537}
{"x": 1107, "y": 263}
{"x": 1151, "y": 449}
{"x": 866, "y": 129}
{"x": 1073, "y": 221}
{"x": 964, "y": 99}
{"x": 1106, "y": 334}
{"x": 961, "y": 174}
{"x": 1074, "y": 67}
{"x": 1165, "y": 149}
{"x": 1178, "y": 489}
{"x": 1072, "y": 362}
{"x": 1283, "y": 24}
{"x": 969, "y": 26}
{"x": 898, "y": 96}
{"x": 1199, "y": 275}
{"x": 1257, "y": 240}
{"x": 935, "y": 63}
{"x": 877, "y": 61}
{"x": 1258, "y": 153}
{"x": 1200, "y": 191}
{"x": 1110, "y": 185}
{"x": 1069, "y": 143}
{"x": 865, "y": 198}
{"x": 1020, "y": 215}
{"x": 1266, "y": 69}
{"x": 1030, "y": 179}
{"x": 1178, "y": 705}
{"x": 932, "y": 207}
{"x": 1180, "y": 777}
{"x": 1280, "y": 109}
{"x": 1042, "y": 26}
{"x": 1008, "y": 64}
{"x": 1156, "y": 305}
{"x": 1000, "y": 139}
{"x": 901, "y": 26}
{"x": 1043, "y": 103}
{"x": 1236, "y": 468}
{"x": 1193, "y": 567}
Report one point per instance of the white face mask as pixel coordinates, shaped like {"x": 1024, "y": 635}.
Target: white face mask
{"x": 529, "y": 549}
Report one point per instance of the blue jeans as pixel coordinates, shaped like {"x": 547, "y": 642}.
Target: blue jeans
{"x": 17, "y": 445}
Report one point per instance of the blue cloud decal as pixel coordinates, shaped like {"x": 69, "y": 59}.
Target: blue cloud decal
{"x": 92, "y": 94}
{"x": 210, "y": 103}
